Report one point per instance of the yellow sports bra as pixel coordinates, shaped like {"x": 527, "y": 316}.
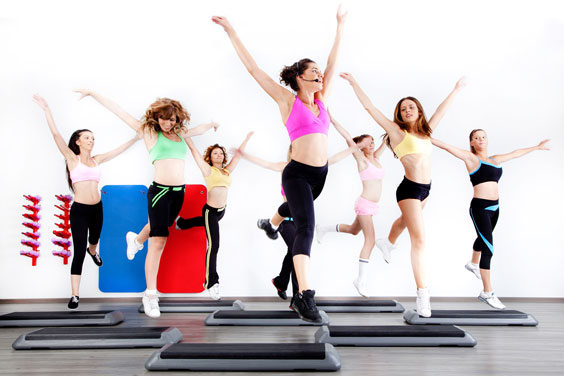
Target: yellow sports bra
{"x": 413, "y": 145}
{"x": 217, "y": 179}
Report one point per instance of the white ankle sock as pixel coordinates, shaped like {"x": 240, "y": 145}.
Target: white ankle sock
{"x": 389, "y": 243}
{"x": 150, "y": 292}
{"x": 362, "y": 268}
{"x": 273, "y": 227}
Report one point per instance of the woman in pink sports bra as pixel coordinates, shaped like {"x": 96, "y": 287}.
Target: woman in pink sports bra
{"x": 306, "y": 119}
{"x": 83, "y": 175}
{"x": 371, "y": 174}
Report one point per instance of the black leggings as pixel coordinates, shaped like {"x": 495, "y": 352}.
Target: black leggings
{"x": 86, "y": 223}
{"x": 210, "y": 220}
{"x": 288, "y": 231}
{"x": 484, "y": 215}
{"x": 164, "y": 202}
{"x": 303, "y": 184}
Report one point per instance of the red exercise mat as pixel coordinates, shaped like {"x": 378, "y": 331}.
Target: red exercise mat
{"x": 182, "y": 268}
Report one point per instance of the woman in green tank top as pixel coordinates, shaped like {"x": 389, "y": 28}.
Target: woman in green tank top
{"x": 164, "y": 130}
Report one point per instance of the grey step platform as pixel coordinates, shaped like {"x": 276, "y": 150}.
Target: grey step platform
{"x": 395, "y": 335}
{"x": 61, "y": 318}
{"x": 245, "y": 357}
{"x": 97, "y": 338}
{"x": 186, "y": 306}
{"x": 364, "y": 305}
{"x": 472, "y": 317}
{"x": 261, "y": 318}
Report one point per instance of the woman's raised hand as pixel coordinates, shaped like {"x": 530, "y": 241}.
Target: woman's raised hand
{"x": 83, "y": 93}
{"x": 41, "y": 102}
{"x": 222, "y": 21}
{"x": 461, "y": 83}
{"x": 349, "y": 77}
{"x": 341, "y": 16}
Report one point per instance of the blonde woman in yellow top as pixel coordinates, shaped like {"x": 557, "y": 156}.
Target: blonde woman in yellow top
{"x": 217, "y": 175}
{"x": 409, "y": 136}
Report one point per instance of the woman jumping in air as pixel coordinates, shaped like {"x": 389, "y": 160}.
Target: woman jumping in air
{"x": 408, "y": 135}
{"x": 367, "y": 204}
{"x": 217, "y": 174}
{"x": 83, "y": 176}
{"x": 305, "y": 117}
{"x": 485, "y": 172}
{"x": 164, "y": 130}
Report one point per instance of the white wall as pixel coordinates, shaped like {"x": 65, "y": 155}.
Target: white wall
{"x": 133, "y": 52}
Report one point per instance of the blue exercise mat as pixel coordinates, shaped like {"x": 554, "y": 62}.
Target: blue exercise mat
{"x": 125, "y": 209}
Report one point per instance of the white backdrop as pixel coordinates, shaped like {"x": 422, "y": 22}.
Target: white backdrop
{"x": 133, "y": 52}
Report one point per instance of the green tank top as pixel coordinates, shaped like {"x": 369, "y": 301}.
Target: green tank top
{"x": 167, "y": 149}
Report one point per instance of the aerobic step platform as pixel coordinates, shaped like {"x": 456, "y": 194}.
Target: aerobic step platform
{"x": 97, "y": 338}
{"x": 364, "y": 305}
{"x": 471, "y": 317}
{"x": 261, "y": 318}
{"x": 61, "y": 318}
{"x": 395, "y": 335}
{"x": 186, "y": 306}
{"x": 245, "y": 357}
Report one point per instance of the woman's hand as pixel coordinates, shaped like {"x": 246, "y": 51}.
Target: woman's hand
{"x": 461, "y": 83}
{"x": 41, "y": 102}
{"x": 222, "y": 21}
{"x": 542, "y": 145}
{"x": 341, "y": 16}
{"x": 83, "y": 93}
{"x": 349, "y": 77}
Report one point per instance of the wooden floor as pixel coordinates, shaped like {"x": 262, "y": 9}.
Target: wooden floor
{"x": 500, "y": 351}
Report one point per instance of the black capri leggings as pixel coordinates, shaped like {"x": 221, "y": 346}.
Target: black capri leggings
{"x": 484, "y": 214}
{"x": 303, "y": 184}
{"x": 288, "y": 231}
{"x": 210, "y": 220}
{"x": 86, "y": 223}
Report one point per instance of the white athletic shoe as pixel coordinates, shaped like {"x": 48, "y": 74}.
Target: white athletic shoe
{"x": 386, "y": 248}
{"x": 361, "y": 287}
{"x": 132, "y": 247}
{"x": 474, "y": 268}
{"x": 151, "y": 305}
{"x": 214, "y": 292}
{"x": 320, "y": 232}
{"x": 491, "y": 299}
{"x": 423, "y": 302}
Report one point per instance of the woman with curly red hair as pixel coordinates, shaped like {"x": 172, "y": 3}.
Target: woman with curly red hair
{"x": 165, "y": 132}
{"x": 217, "y": 174}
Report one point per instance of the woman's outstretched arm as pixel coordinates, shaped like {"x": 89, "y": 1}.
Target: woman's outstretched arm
{"x": 59, "y": 141}
{"x": 237, "y": 156}
{"x": 444, "y": 106}
{"x": 132, "y": 122}
{"x": 500, "y": 158}
{"x": 280, "y": 95}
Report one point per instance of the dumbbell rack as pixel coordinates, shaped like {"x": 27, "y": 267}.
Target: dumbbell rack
{"x": 31, "y": 239}
{"x": 63, "y": 234}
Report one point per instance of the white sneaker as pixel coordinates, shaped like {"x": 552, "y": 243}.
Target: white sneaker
{"x": 423, "y": 302}
{"x": 132, "y": 245}
{"x": 386, "y": 248}
{"x": 319, "y": 233}
{"x": 361, "y": 287}
{"x": 214, "y": 292}
{"x": 151, "y": 305}
{"x": 474, "y": 268}
{"x": 491, "y": 299}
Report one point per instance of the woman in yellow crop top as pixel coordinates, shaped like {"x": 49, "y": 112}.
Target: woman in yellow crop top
{"x": 217, "y": 174}
{"x": 408, "y": 135}
{"x": 164, "y": 130}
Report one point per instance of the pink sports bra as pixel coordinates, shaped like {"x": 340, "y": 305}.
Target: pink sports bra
{"x": 302, "y": 121}
{"x": 82, "y": 172}
{"x": 371, "y": 173}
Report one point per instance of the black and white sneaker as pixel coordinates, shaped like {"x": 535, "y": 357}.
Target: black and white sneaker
{"x": 304, "y": 305}
{"x": 73, "y": 302}
{"x": 281, "y": 293}
{"x": 95, "y": 257}
{"x": 264, "y": 224}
